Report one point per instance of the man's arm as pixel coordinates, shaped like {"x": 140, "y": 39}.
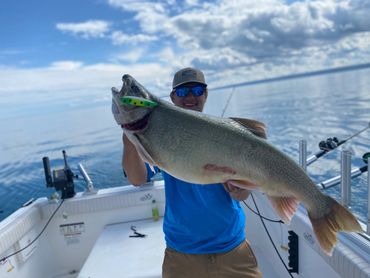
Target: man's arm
{"x": 132, "y": 163}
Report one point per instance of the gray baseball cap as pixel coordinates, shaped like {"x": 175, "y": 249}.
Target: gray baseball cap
{"x": 188, "y": 75}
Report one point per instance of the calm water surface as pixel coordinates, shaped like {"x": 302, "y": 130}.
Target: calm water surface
{"x": 311, "y": 108}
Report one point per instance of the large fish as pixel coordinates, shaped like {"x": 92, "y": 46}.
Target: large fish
{"x": 200, "y": 148}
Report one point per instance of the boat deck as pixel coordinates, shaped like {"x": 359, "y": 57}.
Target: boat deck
{"x": 116, "y": 254}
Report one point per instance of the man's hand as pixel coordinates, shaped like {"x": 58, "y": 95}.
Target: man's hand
{"x": 235, "y": 192}
{"x": 132, "y": 164}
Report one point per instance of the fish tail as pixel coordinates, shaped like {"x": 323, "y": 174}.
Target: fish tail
{"x": 337, "y": 219}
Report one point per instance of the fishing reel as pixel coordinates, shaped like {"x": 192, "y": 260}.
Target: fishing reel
{"x": 366, "y": 157}
{"x": 329, "y": 144}
{"x": 62, "y": 179}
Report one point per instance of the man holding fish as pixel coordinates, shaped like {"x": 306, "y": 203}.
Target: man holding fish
{"x": 204, "y": 224}
{"x": 198, "y": 153}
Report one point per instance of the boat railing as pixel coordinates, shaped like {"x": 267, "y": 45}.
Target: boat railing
{"x": 368, "y": 199}
{"x": 344, "y": 179}
{"x": 303, "y": 154}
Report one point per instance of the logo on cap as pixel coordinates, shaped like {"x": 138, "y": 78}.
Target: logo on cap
{"x": 189, "y": 74}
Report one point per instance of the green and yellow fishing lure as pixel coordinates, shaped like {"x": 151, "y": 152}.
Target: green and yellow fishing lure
{"x": 138, "y": 101}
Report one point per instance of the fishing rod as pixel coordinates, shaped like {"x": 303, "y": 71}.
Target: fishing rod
{"x": 355, "y": 172}
{"x": 227, "y": 102}
{"x": 331, "y": 144}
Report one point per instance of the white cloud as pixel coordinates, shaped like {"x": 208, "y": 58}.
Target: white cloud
{"x": 191, "y": 3}
{"x": 58, "y": 77}
{"x": 119, "y": 38}
{"x": 166, "y": 54}
{"x": 87, "y": 29}
{"x": 259, "y": 38}
{"x": 151, "y": 15}
{"x": 231, "y": 40}
{"x": 130, "y": 56}
{"x": 66, "y": 65}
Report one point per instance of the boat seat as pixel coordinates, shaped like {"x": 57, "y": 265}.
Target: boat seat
{"x": 116, "y": 254}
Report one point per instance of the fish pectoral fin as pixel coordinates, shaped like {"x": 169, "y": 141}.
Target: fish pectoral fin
{"x": 145, "y": 156}
{"x": 143, "y": 153}
{"x": 285, "y": 207}
{"x": 337, "y": 219}
{"x": 256, "y": 127}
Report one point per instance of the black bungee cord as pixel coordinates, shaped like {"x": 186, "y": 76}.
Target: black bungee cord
{"x": 29, "y": 244}
{"x": 268, "y": 234}
{"x": 255, "y": 212}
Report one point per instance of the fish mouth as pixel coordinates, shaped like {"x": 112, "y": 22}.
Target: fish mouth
{"x": 131, "y": 87}
{"x": 137, "y": 125}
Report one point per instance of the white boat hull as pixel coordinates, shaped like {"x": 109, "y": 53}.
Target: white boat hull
{"x": 80, "y": 233}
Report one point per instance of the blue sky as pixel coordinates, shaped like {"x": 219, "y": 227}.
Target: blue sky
{"x": 90, "y": 44}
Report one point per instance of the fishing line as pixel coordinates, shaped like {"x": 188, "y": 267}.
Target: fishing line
{"x": 28, "y": 245}
{"x": 357, "y": 133}
{"x": 273, "y": 244}
{"x": 227, "y": 102}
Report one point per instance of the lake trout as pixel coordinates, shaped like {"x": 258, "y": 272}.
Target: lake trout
{"x": 199, "y": 148}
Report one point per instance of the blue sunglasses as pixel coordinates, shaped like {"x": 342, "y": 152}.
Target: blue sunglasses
{"x": 197, "y": 91}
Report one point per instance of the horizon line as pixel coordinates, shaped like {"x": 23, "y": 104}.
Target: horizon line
{"x": 293, "y": 76}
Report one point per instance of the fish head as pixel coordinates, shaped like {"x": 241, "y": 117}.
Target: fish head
{"x": 127, "y": 114}
{"x": 131, "y": 87}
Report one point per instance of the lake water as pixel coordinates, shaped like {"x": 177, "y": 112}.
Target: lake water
{"x": 311, "y": 108}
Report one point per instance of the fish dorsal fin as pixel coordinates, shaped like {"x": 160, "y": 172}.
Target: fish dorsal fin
{"x": 256, "y": 127}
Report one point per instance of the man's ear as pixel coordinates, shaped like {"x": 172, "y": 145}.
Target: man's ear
{"x": 172, "y": 95}
{"x": 206, "y": 93}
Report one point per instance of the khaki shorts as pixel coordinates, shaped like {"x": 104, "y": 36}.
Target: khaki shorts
{"x": 239, "y": 262}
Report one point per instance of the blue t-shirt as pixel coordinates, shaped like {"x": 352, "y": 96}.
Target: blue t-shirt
{"x": 201, "y": 219}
